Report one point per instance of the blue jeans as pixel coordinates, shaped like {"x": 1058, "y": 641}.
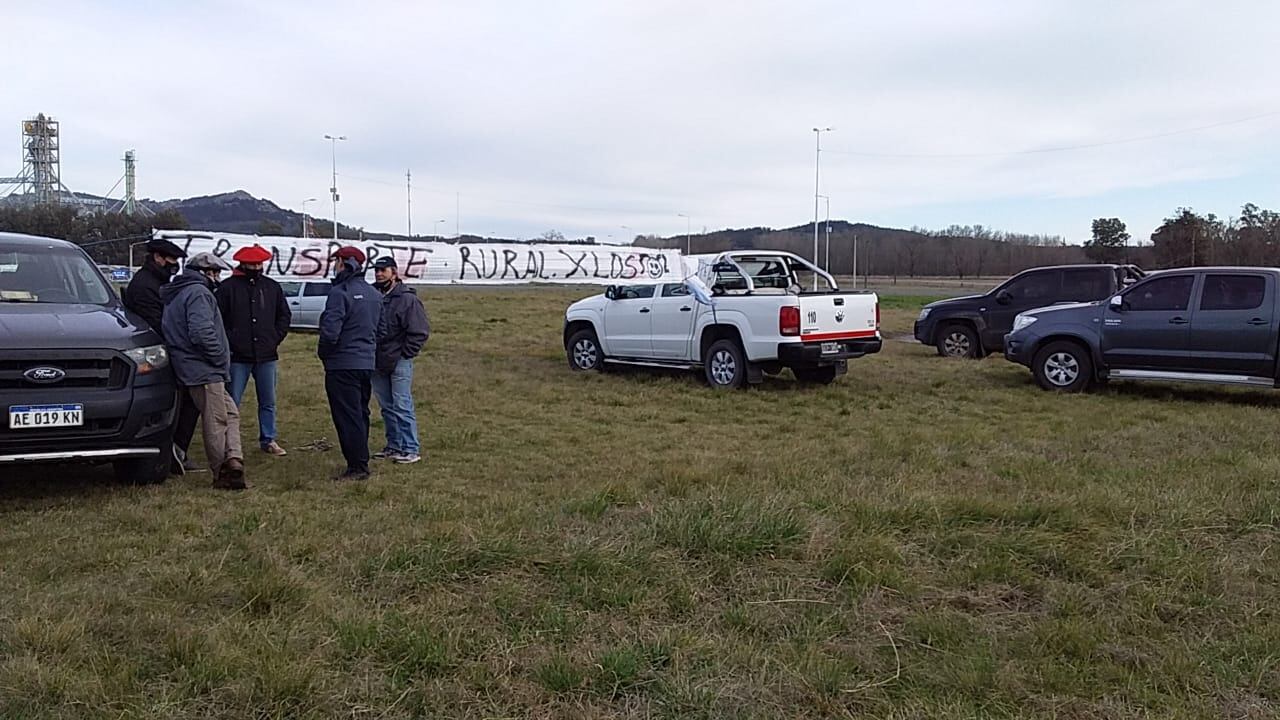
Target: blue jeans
{"x": 264, "y": 383}
{"x": 394, "y": 391}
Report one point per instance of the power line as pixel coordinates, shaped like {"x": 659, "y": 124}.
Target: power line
{"x": 1062, "y": 148}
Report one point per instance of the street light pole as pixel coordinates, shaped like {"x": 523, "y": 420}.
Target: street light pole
{"x": 827, "y": 226}
{"x": 333, "y": 190}
{"x": 435, "y": 229}
{"x": 817, "y": 161}
{"x": 688, "y": 244}
{"x": 632, "y": 238}
{"x": 304, "y": 216}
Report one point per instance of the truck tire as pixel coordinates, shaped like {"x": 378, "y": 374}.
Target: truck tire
{"x": 583, "y": 351}
{"x": 824, "y": 375}
{"x": 150, "y": 470}
{"x": 1063, "y": 366}
{"x": 958, "y": 340}
{"x": 725, "y": 365}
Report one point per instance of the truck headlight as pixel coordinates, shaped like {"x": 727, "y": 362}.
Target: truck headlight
{"x": 924, "y": 314}
{"x": 148, "y": 359}
{"x": 1022, "y": 321}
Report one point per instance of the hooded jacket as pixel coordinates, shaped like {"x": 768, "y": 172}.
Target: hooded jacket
{"x": 193, "y": 331}
{"x": 256, "y": 316}
{"x": 349, "y": 323}
{"x": 142, "y": 294}
{"x": 405, "y": 327}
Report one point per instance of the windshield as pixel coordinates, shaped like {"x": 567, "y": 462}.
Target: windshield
{"x": 49, "y": 274}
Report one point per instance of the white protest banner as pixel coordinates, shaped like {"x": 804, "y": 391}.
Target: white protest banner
{"x": 443, "y": 263}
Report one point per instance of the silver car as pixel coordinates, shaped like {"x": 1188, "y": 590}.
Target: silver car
{"x": 306, "y": 301}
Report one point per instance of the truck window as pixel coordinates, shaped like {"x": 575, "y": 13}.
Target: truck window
{"x": 674, "y": 290}
{"x": 54, "y": 274}
{"x": 1034, "y": 286}
{"x": 290, "y": 289}
{"x": 1085, "y": 284}
{"x": 635, "y": 292}
{"x": 316, "y": 289}
{"x": 1232, "y": 292}
{"x": 1166, "y": 293}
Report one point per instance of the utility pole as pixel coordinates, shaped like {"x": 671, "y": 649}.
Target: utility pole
{"x": 304, "y": 216}
{"x": 688, "y": 243}
{"x": 827, "y": 225}
{"x": 408, "y": 199}
{"x": 333, "y": 190}
{"x": 817, "y": 161}
{"x": 457, "y": 215}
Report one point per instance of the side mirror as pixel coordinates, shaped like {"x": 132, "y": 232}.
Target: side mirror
{"x": 611, "y": 292}
{"x": 724, "y": 267}
{"x": 1004, "y": 297}
{"x": 1116, "y": 303}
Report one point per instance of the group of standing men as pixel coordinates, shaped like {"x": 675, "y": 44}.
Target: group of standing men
{"x": 222, "y": 333}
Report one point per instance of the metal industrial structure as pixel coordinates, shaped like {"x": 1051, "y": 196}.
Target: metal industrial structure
{"x": 130, "y": 205}
{"x": 40, "y": 182}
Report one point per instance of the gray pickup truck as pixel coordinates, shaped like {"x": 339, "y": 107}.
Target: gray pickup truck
{"x": 1205, "y": 324}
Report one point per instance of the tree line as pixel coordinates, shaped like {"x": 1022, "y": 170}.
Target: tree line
{"x": 105, "y": 236}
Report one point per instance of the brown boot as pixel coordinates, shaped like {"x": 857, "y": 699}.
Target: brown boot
{"x": 231, "y": 475}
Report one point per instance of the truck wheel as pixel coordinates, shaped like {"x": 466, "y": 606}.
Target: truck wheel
{"x": 144, "y": 470}
{"x": 1063, "y": 366}
{"x": 817, "y": 376}
{"x": 584, "y": 351}
{"x": 725, "y": 365}
{"x": 958, "y": 340}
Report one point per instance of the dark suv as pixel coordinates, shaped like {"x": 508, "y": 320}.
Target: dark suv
{"x": 81, "y": 378}
{"x": 975, "y": 325}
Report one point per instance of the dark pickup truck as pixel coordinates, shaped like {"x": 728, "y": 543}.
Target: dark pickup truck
{"x": 1206, "y": 324}
{"x": 81, "y": 378}
{"x": 974, "y": 325}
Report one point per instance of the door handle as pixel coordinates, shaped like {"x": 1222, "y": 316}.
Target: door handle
{"x": 294, "y": 303}
{"x": 1259, "y": 321}
{"x": 685, "y": 308}
{"x": 644, "y": 310}
{"x": 1177, "y": 321}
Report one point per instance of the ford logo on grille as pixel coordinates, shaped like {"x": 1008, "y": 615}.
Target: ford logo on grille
{"x": 44, "y": 375}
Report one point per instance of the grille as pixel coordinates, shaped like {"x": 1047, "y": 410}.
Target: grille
{"x": 104, "y": 371}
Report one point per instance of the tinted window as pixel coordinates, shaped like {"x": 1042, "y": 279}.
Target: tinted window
{"x": 316, "y": 290}
{"x": 50, "y": 274}
{"x": 1166, "y": 293}
{"x": 1034, "y": 286}
{"x": 635, "y": 292}
{"x": 674, "y": 290}
{"x": 1233, "y": 292}
{"x": 1085, "y": 285}
{"x": 290, "y": 289}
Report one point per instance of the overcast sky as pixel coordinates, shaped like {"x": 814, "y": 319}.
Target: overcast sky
{"x": 589, "y": 116}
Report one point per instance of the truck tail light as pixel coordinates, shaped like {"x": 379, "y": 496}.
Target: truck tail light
{"x": 789, "y": 320}
{"x": 877, "y": 314}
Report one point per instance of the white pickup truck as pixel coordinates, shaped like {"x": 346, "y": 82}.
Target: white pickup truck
{"x": 769, "y": 310}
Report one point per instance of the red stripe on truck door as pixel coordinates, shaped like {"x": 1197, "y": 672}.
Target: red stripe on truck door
{"x": 838, "y": 335}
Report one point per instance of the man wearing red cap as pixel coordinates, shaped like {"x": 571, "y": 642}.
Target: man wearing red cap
{"x": 348, "y": 344}
{"x": 256, "y": 316}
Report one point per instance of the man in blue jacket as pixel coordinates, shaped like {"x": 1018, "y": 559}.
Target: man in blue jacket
{"x": 348, "y": 344}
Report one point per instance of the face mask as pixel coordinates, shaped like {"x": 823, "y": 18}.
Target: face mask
{"x": 250, "y": 273}
{"x": 171, "y": 269}
{"x": 383, "y": 285}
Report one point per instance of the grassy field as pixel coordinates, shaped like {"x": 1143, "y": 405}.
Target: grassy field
{"x": 924, "y": 538}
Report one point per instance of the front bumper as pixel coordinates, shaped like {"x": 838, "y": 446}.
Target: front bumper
{"x": 1018, "y": 348}
{"x": 129, "y": 422}
{"x": 810, "y": 354}
{"x": 923, "y": 331}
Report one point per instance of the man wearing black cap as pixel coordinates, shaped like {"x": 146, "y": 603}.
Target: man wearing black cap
{"x": 348, "y": 343}
{"x": 142, "y": 296}
{"x": 403, "y": 332}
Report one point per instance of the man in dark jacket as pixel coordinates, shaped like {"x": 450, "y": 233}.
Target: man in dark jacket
{"x": 142, "y": 296}
{"x": 201, "y": 358}
{"x": 257, "y": 319}
{"x": 403, "y": 332}
{"x": 348, "y": 342}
